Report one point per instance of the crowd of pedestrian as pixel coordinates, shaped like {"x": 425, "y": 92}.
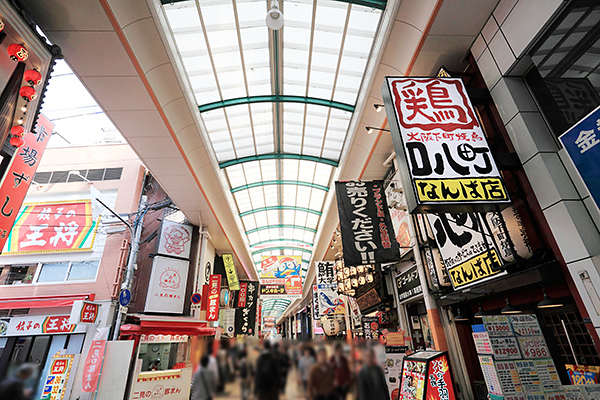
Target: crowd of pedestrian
{"x": 327, "y": 373}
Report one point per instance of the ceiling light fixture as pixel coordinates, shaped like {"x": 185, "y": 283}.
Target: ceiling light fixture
{"x": 370, "y": 129}
{"x": 460, "y": 317}
{"x": 547, "y": 302}
{"x": 510, "y": 309}
{"x": 480, "y": 313}
{"x": 274, "y": 16}
{"x": 378, "y": 107}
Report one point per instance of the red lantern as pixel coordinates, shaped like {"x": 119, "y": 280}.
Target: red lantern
{"x": 17, "y": 52}
{"x": 17, "y": 130}
{"x": 32, "y": 77}
{"x": 28, "y": 93}
{"x": 16, "y": 141}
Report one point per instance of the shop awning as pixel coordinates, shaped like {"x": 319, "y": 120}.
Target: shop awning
{"x": 43, "y": 301}
{"x": 161, "y": 325}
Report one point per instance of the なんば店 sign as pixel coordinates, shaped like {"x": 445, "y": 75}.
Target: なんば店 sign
{"x": 436, "y": 135}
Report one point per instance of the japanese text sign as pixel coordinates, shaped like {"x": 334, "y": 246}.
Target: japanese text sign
{"x": 280, "y": 276}
{"x": 84, "y": 312}
{"x": 92, "y": 366}
{"x": 214, "y": 291}
{"x": 449, "y": 166}
{"x": 171, "y": 384}
{"x": 242, "y": 295}
{"x": 175, "y": 239}
{"x": 232, "y": 278}
{"x": 19, "y": 175}
{"x": 168, "y": 281}
{"x": 245, "y": 318}
{"x": 367, "y": 232}
{"x": 52, "y": 227}
{"x": 41, "y": 325}
{"x": 329, "y": 300}
{"x": 581, "y": 143}
{"x": 409, "y": 284}
{"x": 58, "y": 377}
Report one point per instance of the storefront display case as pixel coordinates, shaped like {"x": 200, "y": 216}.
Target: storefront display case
{"x": 427, "y": 375}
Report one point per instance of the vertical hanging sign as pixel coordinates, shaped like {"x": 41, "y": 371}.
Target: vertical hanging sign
{"x": 437, "y": 137}
{"x": 365, "y": 224}
{"x": 245, "y": 317}
{"x": 214, "y": 291}
{"x": 232, "y": 278}
{"x": 19, "y": 175}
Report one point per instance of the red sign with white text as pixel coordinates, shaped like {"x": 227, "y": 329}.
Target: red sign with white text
{"x": 92, "y": 366}
{"x": 214, "y": 291}
{"x": 19, "y": 175}
{"x": 89, "y": 312}
{"x": 243, "y": 294}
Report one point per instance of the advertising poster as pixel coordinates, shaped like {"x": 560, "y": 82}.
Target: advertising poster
{"x": 370, "y": 327}
{"x": 525, "y": 325}
{"x": 446, "y": 162}
{"x": 399, "y": 215}
{"x": 497, "y": 325}
{"x": 482, "y": 340}
{"x": 509, "y": 377}
{"x": 530, "y": 380}
{"x": 548, "y": 375}
{"x": 413, "y": 380}
{"x": 394, "y": 355}
{"x": 280, "y": 276}
{"x": 58, "y": 376}
{"x": 534, "y": 347}
{"x": 166, "y": 291}
{"x": 489, "y": 374}
{"x": 175, "y": 239}
{"x": 505, "y": 348}
{"x": 583, "y": 374}
{"x": 365, "y": 225}
{"x": 330, "y": 302}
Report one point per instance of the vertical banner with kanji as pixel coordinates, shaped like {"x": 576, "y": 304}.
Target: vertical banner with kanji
{"x": 232, "y": 278}
{"x": 365, "y": 224}
{"x": 329, "y": 300}
{"x": 447, "y": 165}
{"x": 245, "y": 316}
{"x": 214, "y": 291}
{"x": 19, "y": 175}
{"x": 93, "y": 365}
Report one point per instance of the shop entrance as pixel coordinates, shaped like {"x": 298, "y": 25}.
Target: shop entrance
{"x": 419, "y": 325}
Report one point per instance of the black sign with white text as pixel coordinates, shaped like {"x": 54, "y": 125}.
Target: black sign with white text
{"x": 245, "y": 317}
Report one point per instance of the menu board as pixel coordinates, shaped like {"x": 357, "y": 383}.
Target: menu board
{"x": 509, "y": 377}
{"x": 505, "y": 348}
{"x": 58, "y": 376}
{"x": 497, "y": 325}
{"x": 534, "y": 347}
{"x": 413, "y": 380}
{"x": 528, "y": 376}
{"x": 489, "y": 374}
{"x": 525, "y": 325}
{"x": 482, "y": 343}
{"x": 393, "y": 368}
{"x": 548, "y": 375}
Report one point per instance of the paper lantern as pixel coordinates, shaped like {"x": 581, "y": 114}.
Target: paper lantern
{"x": 32, "y": 77}
{"x": 17, "y": 52}
{"x": 330, "y": 326}
{"x": 28, "y": 93}
{"x": 16, "y": 141}
{"x": 516, "y": 230}
{"x": 1, "y": 25}
{"x": 17, "y": 130}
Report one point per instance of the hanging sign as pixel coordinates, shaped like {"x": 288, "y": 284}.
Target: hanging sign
{"x": 365, "y": 225}
{"x": 166, "y": 292}
{"x": 58, "y": 377}
{"x": 245, "y": 318}
{"x": 18, "y": 178}
{"x": 232, "y": 278}
{"x": 408, "y": 284}
{"x": 470, "y": 256}
{"x": 175, "y": 239}
{"x": 399, "y": 215}
{"x": 280, "y": 277}
{"x": 315, "y": 296}
{"x": 242, "y": 295}
{"x": 214, "y": 292}
{"x": 92, "y": 366}
{"x": 84, "y": 312}
{"x": 330, "y": 302}
{"x": 438, "y": 139}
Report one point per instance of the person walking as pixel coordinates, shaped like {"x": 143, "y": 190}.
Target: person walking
{"x": 284, "y": 363}
{"x": 204, "y": 383}
{"x": 341, "y": 369}
{"x": 306, "y": 362}
{"x": 320, "y": 379}
{"x": 371, "y": 380}
{"x": 13, "y": 388}
{"x": 267, "y": 382}
{"x": 246, "y": 374}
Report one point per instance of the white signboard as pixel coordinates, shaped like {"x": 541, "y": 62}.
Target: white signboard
{"x": 173, "y": 384}
{"x": 175, "y": 239}
{"x": 534, "y": 347}
{"x": 505, "y": 348}
{"x": 166, "y": 291}
{"x": 525, "y": 325}
{"x": 548, "y": 375}
{"x": 497, "y": 325}
{"x": 530, "y": 380}
{"x": 490, "y": 376}
{"x": 41, "y": 325}
{"x": 482, "y": 343}
{"x": 441, "y": 145}
{"x": 509, "y": 377}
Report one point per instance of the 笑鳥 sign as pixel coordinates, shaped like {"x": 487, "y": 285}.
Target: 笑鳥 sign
{"x": 245, "y": 317}
{"x": 365, "y": 225}
{"x": 437, "y": 137}
{"x": 232, "y": 278}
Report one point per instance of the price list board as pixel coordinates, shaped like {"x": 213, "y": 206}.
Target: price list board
{"x": 482, "y": 341}
{"x": 528, "y": 375}
{"x": 505, "y": 348}
{"x": 497, "y": 325}
{"x": 534, "y": 347}
{"x": 525, "y": 325}
{"x": 509, "y": 377}
{"x": 548, "y": 375}
{"x": 492, "y": 380}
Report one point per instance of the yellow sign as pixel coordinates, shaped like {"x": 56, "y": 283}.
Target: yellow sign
{"x": 461, "y": 190}
{"x": 476, "y": 269}
{"x": 232, "y": 278}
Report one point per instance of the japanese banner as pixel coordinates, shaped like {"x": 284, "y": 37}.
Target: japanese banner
{"x": 84, "y": 312}
{"x": 245, "y": 317}
{"x": 19, "y": 175}
{"x": 41, "y": 325}
{"x": 93, "y": 365}
{"x": 280, "y": 277}
{"x": 449, "y": 166}
{"x": 232, "y": 278}
{"x": 329, "y": 300}
{"x": 214, "y": 291}
{"x": 367, "y": 232}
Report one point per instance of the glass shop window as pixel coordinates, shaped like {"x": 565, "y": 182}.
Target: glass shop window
{"x": 17, "y": 274}
{"x": 162, "y": 356}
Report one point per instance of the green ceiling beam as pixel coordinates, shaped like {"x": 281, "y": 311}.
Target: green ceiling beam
{"x": 274, "y": 98}
{"x": 282, "y": 240}
{"x": 271, "y": 208}
{"x": 278, "y": 156}
{"x": 281, "y": 248}
{"x": 284, "y": 226}
{"x": 279, "y": 182}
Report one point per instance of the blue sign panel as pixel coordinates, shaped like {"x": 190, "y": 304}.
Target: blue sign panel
{"x": 582, "y": 142}
{"x": 124, "y": 297}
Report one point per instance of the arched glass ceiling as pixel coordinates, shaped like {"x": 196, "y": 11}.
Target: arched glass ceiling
{"x": 274, "y": 307}
{"x": 276, "y": 104}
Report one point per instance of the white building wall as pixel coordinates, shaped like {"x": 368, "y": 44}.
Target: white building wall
{"x": 501, "y": 54}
